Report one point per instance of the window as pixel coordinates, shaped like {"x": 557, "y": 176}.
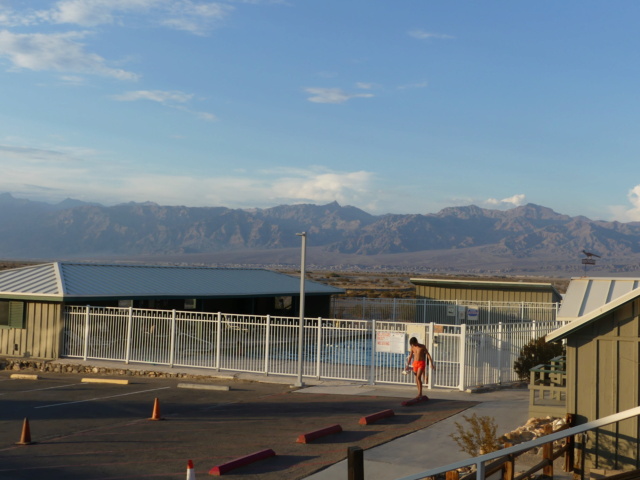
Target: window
{"x": 190, "y": 304}
{"x": 11, "y": 314}
{"x": 283, "y": 303}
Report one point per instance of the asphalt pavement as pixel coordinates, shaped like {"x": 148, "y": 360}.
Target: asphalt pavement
{"x": 432, "y": 446}
{"x": 415, "y": 440}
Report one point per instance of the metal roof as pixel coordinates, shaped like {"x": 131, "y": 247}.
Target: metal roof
{"x": 586, "y": 294}
{"x": 66, "y": 281}
{"x": 588, "y": 299}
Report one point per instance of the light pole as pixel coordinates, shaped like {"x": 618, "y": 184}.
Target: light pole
{"x": 299, "y": 382}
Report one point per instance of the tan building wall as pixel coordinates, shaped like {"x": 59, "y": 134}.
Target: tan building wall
{"x": 603, "y": 379}
{"x": 40, "y": 338}
{"x": 485, "y": 291}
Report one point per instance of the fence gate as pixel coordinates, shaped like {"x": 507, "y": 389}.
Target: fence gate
{"x": 447, "y": 350}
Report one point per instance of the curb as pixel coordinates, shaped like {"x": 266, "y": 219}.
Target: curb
{"x": 374, "y": 417}
{"x": 105, "y": 380}
{"x": 241, "y": 462}
{"x": 323, "y": 432}
{"x": 24, "y": 376}
{"x": 201, "y": 386}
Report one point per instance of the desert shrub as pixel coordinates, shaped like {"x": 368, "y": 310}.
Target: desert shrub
{"x": 479, "y": 436}
{"x": 535, "y": 353}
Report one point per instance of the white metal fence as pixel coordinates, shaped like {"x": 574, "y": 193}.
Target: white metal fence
{"x": 451, "y": 312}
{"x": 332, "y": 348}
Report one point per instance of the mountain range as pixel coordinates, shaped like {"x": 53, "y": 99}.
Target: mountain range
{"x": 525, "y": 239}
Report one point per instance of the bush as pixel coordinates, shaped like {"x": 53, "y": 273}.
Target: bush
{"x": 535, "y": 353}
{"x": 480, "y": 436}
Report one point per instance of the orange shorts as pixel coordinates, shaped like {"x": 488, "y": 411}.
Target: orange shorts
{"x": 418, "y": 365}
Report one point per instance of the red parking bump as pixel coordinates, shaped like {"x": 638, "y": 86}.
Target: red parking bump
{"x": 374, "y": 417}
{"x": 323, "y": 432}
{"x": 241, "y": 462}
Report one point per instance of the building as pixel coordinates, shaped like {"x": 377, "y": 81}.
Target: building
{"x": 602, "y": 354}
{"x": 32, "y": 299}
{"x": 485, "y": 291}
{"x": 484, "y": 302}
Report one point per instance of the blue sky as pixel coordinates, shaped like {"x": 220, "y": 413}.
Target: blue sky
{"x": 403, "y": 106}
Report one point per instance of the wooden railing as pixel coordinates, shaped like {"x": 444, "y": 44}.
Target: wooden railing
{"x": 507, "y": 464}
{"x": 489, "y": 460}
{"x": 548, "y": 388}
{"x": 504, "y": 459}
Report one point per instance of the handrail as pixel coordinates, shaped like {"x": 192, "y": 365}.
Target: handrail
{"x": 480, "y": 461}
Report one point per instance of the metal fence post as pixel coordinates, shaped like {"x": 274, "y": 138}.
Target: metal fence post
{"x": 127, "y": 354}
{"x": 490, "y": 311}
{"x": 480, "y": 471}
{"x": 172, "y": 343}
{"x": 432, "y": 341}
{"x": 372, "y": 370}
{"x": 86, "y": 333}
{"x": 318, "y": 347}
{"x": 499, "y": 352}
{"x": 424, "y": 310}
{"x": 218, "y": 340}
{"x": 462, "y": 359}
{"x": 266, "y": 345}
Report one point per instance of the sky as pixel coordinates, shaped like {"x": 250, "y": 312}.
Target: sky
{"x": 391, "y": 106}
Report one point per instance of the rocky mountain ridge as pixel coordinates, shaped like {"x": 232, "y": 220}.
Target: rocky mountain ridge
{"x": 31, "y": 229}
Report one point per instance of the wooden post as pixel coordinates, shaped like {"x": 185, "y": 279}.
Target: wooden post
{"x": 547, "y": 453}
{"x": 453, "y": 475}
{"x": 355, "y": 463}
{"x": 508, "y": 469}
{"x": 571, "y": 445}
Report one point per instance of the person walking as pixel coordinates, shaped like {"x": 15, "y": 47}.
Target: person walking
{"x": 421, "y": 359}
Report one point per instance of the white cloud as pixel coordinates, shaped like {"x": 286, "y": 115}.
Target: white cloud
{"x": 320, "y": 186}
{"x": 172, "y": 99}
{"x": 626, "y": 214}
{"x": 53, "y": 173}
{"x": 422, "y": 35}
{"x": 333, "y": 95}
{"x": 159, "y": 96}
{"x": 195, "y": 18}
{"x": 514, "y": 201}
{"x": 187, "y": 15}
{"x": 60, "y": 52}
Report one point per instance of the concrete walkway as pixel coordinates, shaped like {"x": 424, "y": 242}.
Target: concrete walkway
{"x": 431, "y": 447}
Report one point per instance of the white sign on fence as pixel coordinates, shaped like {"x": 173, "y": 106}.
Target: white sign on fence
{"x": 390, "y": 342}
{"x": 473, "y": 313}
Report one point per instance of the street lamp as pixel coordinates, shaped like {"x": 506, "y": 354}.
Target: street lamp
{"x": 303, "y": 254}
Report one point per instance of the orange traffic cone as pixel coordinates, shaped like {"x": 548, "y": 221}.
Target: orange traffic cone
{"x": 191, "y": 473}
{"x": 156, "y": 411}
{"x": 25, "y": 438}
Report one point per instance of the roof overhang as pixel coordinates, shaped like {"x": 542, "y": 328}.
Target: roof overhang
{"x": 577, "y": 323}
{"x": 85, "y": 282}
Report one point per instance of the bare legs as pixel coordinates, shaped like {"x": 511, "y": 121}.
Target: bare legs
{"x": 419, "y": 379}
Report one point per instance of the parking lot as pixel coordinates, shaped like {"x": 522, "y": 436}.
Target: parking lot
{"x": 102, "y": 431}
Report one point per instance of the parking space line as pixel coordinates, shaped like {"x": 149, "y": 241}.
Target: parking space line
{"x": 45, "y": 388}
{"x": 101, "y": 398}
